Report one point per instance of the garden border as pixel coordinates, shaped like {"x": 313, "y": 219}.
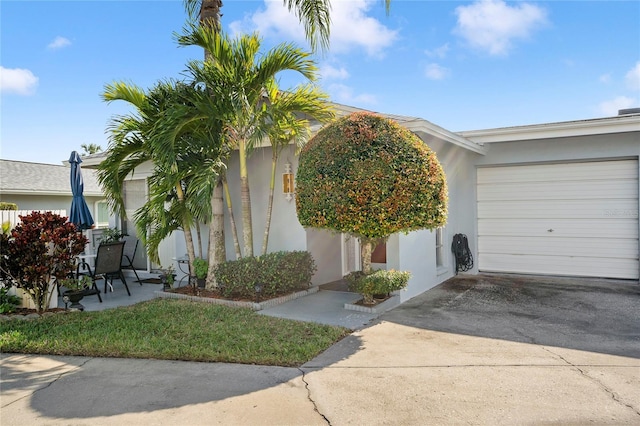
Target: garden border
{"x": 256, "y": 306}
{"x": 390, "y": 303}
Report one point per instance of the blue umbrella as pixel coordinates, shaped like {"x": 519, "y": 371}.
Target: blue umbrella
{"x": 80, "y": 214}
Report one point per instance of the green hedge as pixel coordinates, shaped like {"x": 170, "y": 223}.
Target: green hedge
{"x": 379, "y": 282}
{"x": 280, "y": 272}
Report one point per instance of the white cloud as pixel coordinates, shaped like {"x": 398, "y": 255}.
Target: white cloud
{"x": 436, "y": 72}
{"x": 438, "y": 52}
{"x": 333, "y": 73}
{"x": 58, "y": 43}
{"x": 17, "y": 80}
{"x": 344, "y": 94}
{"x": 493, "y": 26}
{"x": 633, "y": 77}
{"x": 351, "y": 28}
{"x": 611, "y": 107}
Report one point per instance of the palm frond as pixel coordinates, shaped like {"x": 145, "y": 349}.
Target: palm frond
{"x": 315, "y": 18}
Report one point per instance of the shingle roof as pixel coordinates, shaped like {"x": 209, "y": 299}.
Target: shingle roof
{"x": 19, "y": 177}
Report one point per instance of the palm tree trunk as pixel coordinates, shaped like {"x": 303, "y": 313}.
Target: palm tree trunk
{"x": 272, "y": 185}
{"x": 210, "y": 13}
{"x": 186, "y": 227}
{"x": 217, "y": 251}
{"x": 199, "y": 236}
{"x": 210, "y": 17}
{"x": 245, "y": 198}
{"x": 232, "y": 221}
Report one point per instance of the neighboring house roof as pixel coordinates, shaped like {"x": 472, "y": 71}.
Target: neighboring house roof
{"x": 596, "y": 126}
{"x": 19, "y": 177}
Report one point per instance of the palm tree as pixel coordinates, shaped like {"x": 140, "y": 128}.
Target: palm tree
{"x": 244, "y": 77}
{"x": 158, "y": 134}
{"x": 289, "y": 123}
{"x": 314, "y": 15}
{"x": 90, "y": 148}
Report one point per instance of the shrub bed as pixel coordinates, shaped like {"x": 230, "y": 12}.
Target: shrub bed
{"x": 379, "y": 282}
{"x": 278, "y": 273}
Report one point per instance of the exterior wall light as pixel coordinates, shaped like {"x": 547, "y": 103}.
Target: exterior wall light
{"x": 288, "y": 187}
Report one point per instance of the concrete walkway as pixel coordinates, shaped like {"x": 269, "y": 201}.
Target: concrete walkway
{"x": 398, "y": 370}
{"x": 324, "y": 307}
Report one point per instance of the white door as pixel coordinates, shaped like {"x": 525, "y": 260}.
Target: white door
{"x": 577, "y": 219}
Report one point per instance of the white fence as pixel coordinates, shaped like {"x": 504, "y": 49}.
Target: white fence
{"x": 12, "y": 216}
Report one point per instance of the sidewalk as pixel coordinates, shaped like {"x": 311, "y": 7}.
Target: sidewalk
{"x": 384, "y": 374}
{"x": 475, "y": 351}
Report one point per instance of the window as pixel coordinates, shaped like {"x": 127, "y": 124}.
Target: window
{"x": 102, "y": 214}
{"x": 440, "y": 247}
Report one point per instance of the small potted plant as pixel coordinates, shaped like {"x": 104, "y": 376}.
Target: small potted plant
{"x": 200, "y": 270}
{"x": 74, "y": 290}
{"x": 112, "y": 235}
{"x": 168, "y": 277}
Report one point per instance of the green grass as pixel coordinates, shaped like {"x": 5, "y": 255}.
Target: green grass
{"x": 172, "y": 329}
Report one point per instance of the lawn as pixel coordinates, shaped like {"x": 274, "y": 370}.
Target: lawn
{"x": 172, "y": 329}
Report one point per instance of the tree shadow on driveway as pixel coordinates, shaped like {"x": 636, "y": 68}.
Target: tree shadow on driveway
{"x": 60, "y": 387}
{"x": 576, "y": 313}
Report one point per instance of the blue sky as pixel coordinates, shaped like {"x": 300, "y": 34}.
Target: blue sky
{"x": 463, "y": 65}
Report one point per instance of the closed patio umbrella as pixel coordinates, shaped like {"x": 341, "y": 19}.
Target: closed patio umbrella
{"x": 80, "y": 214}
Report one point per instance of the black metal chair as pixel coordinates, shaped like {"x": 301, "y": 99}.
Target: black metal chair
{"x": 129, "y": 255}
{"x": 108, "y": 265}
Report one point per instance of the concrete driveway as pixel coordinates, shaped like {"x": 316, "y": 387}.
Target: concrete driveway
{"x": 492, "y": 349}
{"x": 475, "y": 350}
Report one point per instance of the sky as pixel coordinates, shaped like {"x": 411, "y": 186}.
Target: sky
{"x": 462, "y": 65}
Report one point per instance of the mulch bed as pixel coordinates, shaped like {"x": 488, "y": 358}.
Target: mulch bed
{"x": 215, "y": 294}
{"x": 376, "y": 301}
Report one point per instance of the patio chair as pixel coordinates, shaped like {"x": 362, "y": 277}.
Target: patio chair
{"x": 130, "y": 254}
{"x": 108, "y": 265}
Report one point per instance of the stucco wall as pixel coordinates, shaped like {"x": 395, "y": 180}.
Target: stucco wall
{"x": 597, "y": 147}
{"x": 416, "y": 251}
{"x": 286, "y": 232}
{"x": 326, "y": 249}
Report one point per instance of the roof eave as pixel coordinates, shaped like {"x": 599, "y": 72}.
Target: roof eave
{"x": 425, "y": 126}
{"x": 619, "y": 124}
{"x": 53, "y": 193}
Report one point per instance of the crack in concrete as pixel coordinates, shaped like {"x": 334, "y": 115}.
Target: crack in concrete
{"x": 604, "y": 387}
{"x": 315, "y": 407}
{"x": 59, "y": 376}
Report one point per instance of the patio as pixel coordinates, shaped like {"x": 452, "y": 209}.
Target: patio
{"x": 119, "y": 297}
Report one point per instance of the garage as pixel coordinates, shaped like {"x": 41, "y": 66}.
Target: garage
{"x": 575, "y": 219}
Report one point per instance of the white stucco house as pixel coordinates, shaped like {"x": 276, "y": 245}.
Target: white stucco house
{"x": 550, "y": 199}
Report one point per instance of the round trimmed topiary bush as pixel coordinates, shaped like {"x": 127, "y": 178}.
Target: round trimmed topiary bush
{"x": 367, "y": 176}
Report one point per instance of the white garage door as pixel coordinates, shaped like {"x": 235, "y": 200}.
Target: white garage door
{"x": 577, "y": 219}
